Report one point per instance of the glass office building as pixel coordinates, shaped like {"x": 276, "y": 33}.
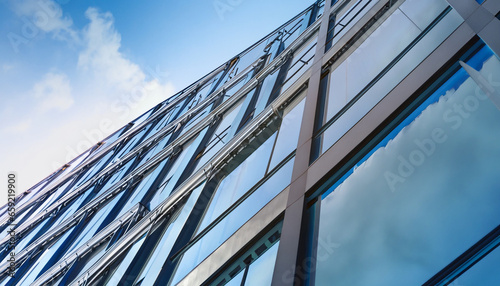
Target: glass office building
{"x": 353, "y": 145}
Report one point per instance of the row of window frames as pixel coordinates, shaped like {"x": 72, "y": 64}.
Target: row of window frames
{"x": 119, "y": 174}
{"x": 216, "y": 137}
{"x": 122, "y": 153}
{"x": 135, "y": 141}
{"x": 115, "y": 154}
{"x": 189, "y": 103}
{"x": 31, "y": 271}
{"x": 167, "y": 117}
{"x": 78, "y": 180}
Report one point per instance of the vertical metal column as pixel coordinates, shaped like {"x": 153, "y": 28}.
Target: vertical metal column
{"x": 286, "y": 271}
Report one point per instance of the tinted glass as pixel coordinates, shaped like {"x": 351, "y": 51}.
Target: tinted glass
{"x": 420, "y": 199}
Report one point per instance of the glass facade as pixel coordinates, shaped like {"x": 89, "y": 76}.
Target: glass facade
{"x": 418, "y": 181}
{"x": 356, "y": 144}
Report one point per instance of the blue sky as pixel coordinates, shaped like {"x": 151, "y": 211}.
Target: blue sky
{"x": 71, "y": 72}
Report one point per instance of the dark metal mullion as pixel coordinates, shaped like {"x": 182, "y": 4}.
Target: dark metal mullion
{"x": 468, "y": 259}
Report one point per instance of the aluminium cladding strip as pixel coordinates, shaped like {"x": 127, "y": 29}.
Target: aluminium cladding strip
{"x": 187, "y": 91}
{"x": 101, "y": 237}
{"x": 157, "y": 159}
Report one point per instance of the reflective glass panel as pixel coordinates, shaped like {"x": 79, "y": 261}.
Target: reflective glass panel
{"x": 221, "y": 136}
{"x": 383, "y": 85}
{"x": 419, "y": 200}
{"x": 288, "y": 134}
{"x": 234, "y": 220}
{"x": 124, "y": 264}
{"x": 260, "y": 272}
{"x": 239, "y": 181}
{"x": 155, "y": 262}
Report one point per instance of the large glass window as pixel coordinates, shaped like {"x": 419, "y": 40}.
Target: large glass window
{"x": 229, "y": 224}
{"x": 361, "y": 81}
{"x": 221, "y": 136}
{"x": 424, "y": 195}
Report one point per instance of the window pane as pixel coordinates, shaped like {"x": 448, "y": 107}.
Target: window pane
{"x": 234, "y": 220}
{"x": 384, "y": 85}
{"x": 155, "y": 261}
{"x": 288, "y": 135}
{"x": 423, "y": 12}
{"x": 117, "y": 275}
{"x": 239, "y": 181}
{"x": 260, "y": 272}
{"x": 420, "y": 199}
{"x": 221, "y": 136}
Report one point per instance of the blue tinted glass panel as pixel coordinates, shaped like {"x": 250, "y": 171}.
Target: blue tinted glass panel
{"x": 260, "y": 272}
{"x": 234, "y": 220}
{"x": 338, "y": 90}
{"x": 438, "y": 175}
{"x": 155, "y": 262}
{"x": 288, "y": 134}
{"x": 221, "y": 136}
{"x": 33, "y": 272}
{"x": 124, "y": 264}
{"x": 236, "y": 281}
{"x": 170, "y": 180}
{"x": 239, "y": 181}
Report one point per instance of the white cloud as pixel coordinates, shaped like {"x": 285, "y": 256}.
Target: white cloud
{"x": 47, "y": 16}
{"x": 53, "y": 92}
{"x": 103, "y": 77}
{"x": 102, "y": 55}
{"x": 117, "y": 77}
